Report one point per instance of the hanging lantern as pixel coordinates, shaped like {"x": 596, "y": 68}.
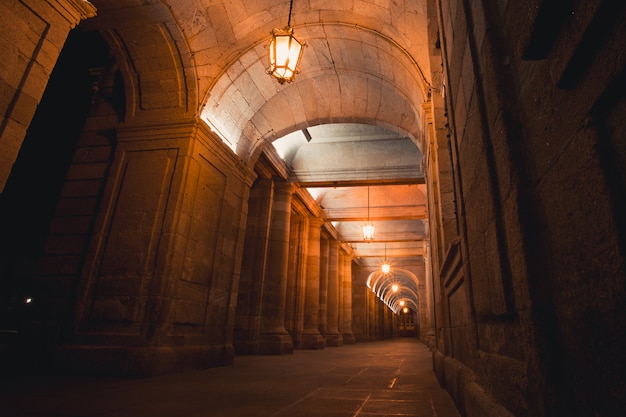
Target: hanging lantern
{"x": 285, "y": 52}
{"x": 368, "y": 229}
{"x": 385, "y": 267}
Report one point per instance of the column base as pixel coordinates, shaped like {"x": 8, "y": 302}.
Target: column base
{"x": 349, "y": 339}
{"x": 275, "y": 344}
{"x": 140, "y": 361}
{"x": 334, "y": 339}
{"x": 312, "y": 341}
{"x": 246, "y": 348}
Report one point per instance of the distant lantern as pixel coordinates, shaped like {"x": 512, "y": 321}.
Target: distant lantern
{"x": 285, "y": 52}
{"x": 386, "y": 267}
{"x": 368, "y": 231}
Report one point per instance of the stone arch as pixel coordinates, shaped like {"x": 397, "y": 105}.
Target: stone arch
{"x": 158, "y": 68}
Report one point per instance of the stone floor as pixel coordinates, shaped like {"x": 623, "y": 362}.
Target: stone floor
{"x": 384, "y": 378}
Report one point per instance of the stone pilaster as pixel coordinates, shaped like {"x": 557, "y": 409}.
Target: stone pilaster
{"x": 311, "y": 337}
{"x": 333, "y": 336}
{"x": 158, "y": 285}
{"x": 427, "y": 330}
{"x": 274, "y": 337}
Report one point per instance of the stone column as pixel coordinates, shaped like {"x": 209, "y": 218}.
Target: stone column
{"x": 340, "y": 272}
{"x": 248, "y": 319}
{"x": 333, "y": 336}
{"x": 323, "y": 308}
{"x": 372, "y": 316}
{"x": 427, "y": 329}
{"x": 359, "y": 295}
{"x": 274, "y": 337}
{"x": 311, "y": 337}
{"x": 348, "y": 335}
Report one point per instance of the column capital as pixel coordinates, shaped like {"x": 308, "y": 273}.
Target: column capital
{"x": 316, "y": 222}
{"x": 347, "y": 250}
{"x": 286, "y": 187}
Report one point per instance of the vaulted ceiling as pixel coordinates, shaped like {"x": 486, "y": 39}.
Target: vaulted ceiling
{"x": 348, "y": 126}
{"x": 358, "y": 174}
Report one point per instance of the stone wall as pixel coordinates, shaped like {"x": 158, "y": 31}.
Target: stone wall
{"x": 532, "y": 318}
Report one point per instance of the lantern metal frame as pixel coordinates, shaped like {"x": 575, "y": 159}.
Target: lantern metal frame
{"x": 368, "y": 229}
{"x": 285, "y": 53}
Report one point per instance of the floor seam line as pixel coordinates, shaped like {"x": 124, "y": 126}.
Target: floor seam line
{"x": 362, "y": 405}
{"x": 293, "y": 403}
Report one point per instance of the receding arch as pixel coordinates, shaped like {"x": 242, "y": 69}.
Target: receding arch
{"x": 382, "y": 284}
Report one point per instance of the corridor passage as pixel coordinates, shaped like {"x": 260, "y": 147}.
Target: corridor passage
{"x": 382, "y": 378}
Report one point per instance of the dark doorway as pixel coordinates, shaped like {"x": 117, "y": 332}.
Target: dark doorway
{"x": 28, "y": 201}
